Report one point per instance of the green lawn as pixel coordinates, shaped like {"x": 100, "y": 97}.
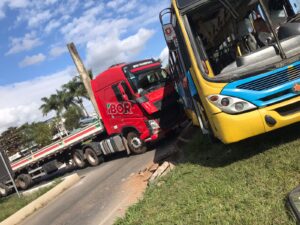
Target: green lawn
{"x": 244, "y": 183}
{"x": 13, "y": 203}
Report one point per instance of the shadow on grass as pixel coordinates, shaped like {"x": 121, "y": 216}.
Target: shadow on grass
{"x": 202, "y": 151}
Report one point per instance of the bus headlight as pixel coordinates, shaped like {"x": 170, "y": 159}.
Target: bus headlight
{"x": 231, "y": 105}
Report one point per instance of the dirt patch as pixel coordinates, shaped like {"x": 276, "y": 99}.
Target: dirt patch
{"x": 136, "y": 184}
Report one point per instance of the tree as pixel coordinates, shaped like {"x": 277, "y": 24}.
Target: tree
{"x": 36, "y": 134}
{"x": 72, "y": 117}
{"x": 51, "y": 104}
{"x": 42, "y": 133}
{"x": 11, "y": 140}
{"x": 75, "y": 88}
{"x": 71, "y": 94}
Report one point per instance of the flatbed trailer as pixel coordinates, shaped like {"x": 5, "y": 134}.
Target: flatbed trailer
{"x": 59, "y": 147}
{"x": 87, "y": 145}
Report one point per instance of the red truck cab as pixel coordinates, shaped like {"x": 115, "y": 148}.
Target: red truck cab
{"x": 137, "y": 100}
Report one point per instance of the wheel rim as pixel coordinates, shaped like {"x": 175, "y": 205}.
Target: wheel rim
{"x": 2, "y": 191}
{"x": 136, "y": 142}
{"x": 91, "y": 158}
{"x": 77, "y": 160}
{"x": 21, "y": 183}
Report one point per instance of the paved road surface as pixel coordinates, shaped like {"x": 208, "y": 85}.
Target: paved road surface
{"x": 97, "y": 197}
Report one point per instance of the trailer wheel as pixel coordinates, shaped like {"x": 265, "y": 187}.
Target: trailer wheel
{"x": 135, "y": 144}
{"x": 92, "y": 157}
{"x": 24, "y": 181}
{"x": 78, "y": 159}
{"x": 4, "y": 190}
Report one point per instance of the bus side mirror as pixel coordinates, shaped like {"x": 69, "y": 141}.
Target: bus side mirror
{"x": 123, "y": 93}
{"x": 294, "y": 203}
{"x": 170, "y": 36}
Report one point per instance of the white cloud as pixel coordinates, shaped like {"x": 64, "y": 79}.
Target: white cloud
{"x": 56, "y": 51}
{"x": 17, "y": 3}
{"x": 39, "y": 12}
{"x": 20, "y": 44}
{"x": 114, "y": 4}
{"x": 102, "y": 53}
{"x": 52, "y": 25}
{"x": 39, "y": 18}
{"x": 13, "y": 4}
{"x": 164, "y": 56}
{"x": 20, "y": 102}
{"x": 32, "y": 60}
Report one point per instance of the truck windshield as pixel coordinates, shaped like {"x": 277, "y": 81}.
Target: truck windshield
{"x": 243, "y": 36}
{"x": 148, "y": 81}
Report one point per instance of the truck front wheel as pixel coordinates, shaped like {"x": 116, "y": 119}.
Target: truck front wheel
{"x": 78, "y": 159}
{"x": 4, "y": 190}
{"x": 135, "y": 144}
{"x": 92, "y": 157}
{"x": 24, "y": 181}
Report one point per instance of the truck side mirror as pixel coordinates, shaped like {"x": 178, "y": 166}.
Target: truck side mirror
{"x": 294, "y": 203}
{"x": 123, "y": 93}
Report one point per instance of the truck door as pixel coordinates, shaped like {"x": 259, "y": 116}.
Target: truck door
{"x": 125, "y": 98}
{"x": 120, "y": 108}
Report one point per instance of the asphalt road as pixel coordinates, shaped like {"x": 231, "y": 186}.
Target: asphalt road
{"x": 97, "y": 197}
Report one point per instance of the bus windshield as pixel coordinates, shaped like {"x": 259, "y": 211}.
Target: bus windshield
{"x": 239, "y": 37}
{"x": 148, "y": 81}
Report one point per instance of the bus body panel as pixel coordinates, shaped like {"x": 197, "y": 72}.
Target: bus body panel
{"x": 278, "y": 101}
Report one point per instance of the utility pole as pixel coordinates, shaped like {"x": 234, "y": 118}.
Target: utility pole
{"x": 84, "y": 75}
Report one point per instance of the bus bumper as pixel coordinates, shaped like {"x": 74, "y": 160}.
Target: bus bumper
{"x": 233, "y": 128}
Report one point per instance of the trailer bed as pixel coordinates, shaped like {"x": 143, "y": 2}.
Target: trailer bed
{"x": 59, "y": 146}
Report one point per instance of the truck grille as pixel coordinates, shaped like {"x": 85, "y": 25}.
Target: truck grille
{"x": 273, "y": 80}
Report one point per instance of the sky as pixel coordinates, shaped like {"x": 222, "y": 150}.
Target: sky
{"x": 34, "y": 59}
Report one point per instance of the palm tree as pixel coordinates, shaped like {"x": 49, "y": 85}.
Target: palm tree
{"x": 51, "y": 104}
{"x": 72, "y": 94}
{"x": 76, "y": 88}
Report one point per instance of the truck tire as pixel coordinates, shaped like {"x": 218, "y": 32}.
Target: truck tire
{"x": 135, "y": 144}
{"x": 24, "y": 181}
{"x": 4, "y": 190}
{"x": 92, "y": 157}
{"x": 78, "y": 159}
{"x": 50, "y": 167}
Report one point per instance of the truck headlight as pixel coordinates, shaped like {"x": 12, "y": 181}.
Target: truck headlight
{"x": 153, "y": 124}
{"x": 230, "y": 105}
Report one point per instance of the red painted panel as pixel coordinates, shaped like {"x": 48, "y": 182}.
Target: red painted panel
{"x": 46, "y": 150}
{"x": 19, "y": 163}
{"x": 79, "y": 134}
{"x": 146, "y": 67}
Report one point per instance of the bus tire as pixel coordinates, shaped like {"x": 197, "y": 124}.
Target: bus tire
{"x": 78, "y": 158}
{"x": 24, "y": 181}
{"x": 92, "y": 157}
{"x": 135, "y": 144}
{"x": 4, "y": 190}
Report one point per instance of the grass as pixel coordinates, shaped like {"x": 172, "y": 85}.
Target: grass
{"x": 13, "y": 203}
{"x": 244, "y": 183}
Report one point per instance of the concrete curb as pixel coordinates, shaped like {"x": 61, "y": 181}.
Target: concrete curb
{"x": 20, "y": 215}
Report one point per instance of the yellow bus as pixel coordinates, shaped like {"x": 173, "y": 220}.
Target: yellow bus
{"x": 236, "y": 63}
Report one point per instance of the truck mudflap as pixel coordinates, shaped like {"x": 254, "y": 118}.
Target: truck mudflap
{"x": 112, "y": 145}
